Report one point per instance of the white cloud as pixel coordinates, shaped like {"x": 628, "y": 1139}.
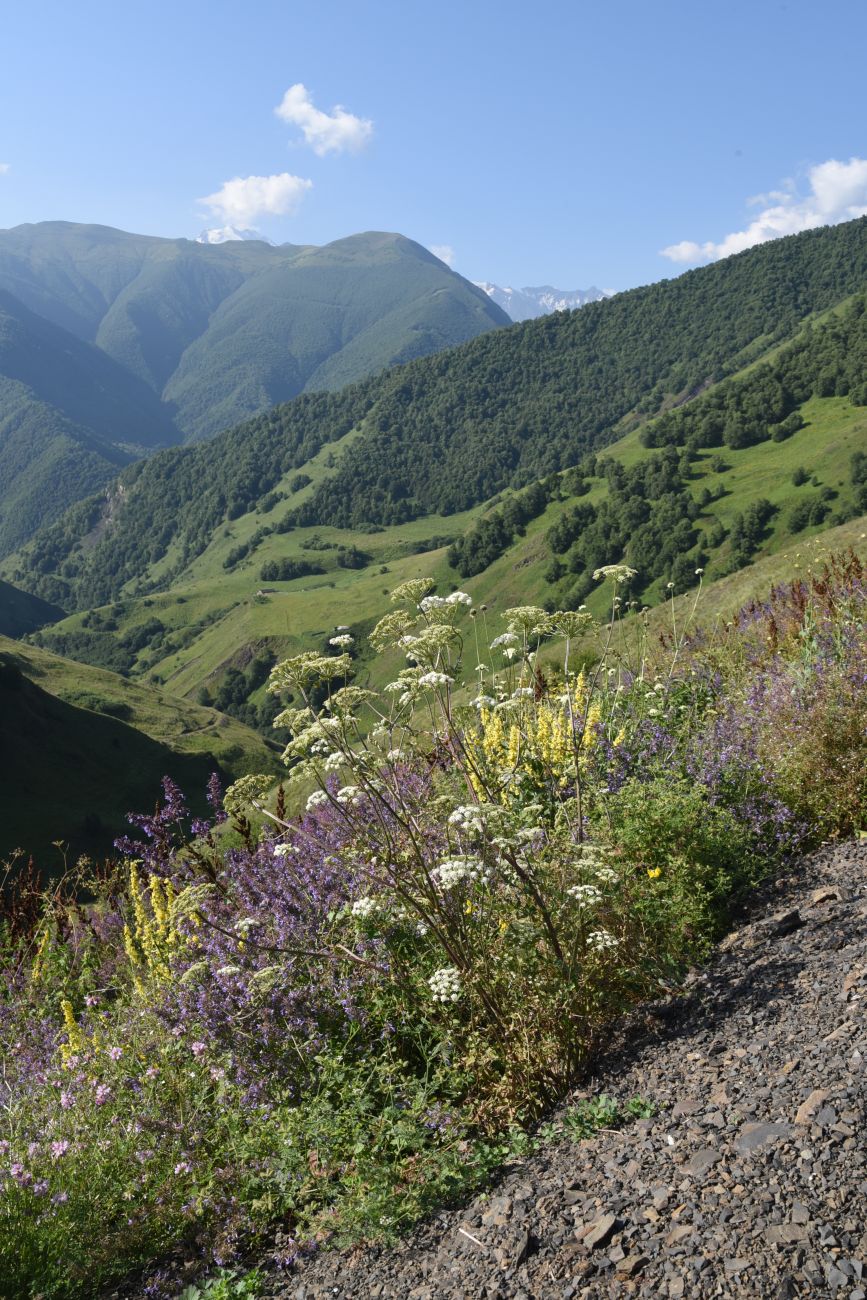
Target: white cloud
{"x": 241, "y": 200}
{"x": 4, "y": 167}
{"x": 837, "y": 192}
{"x": 444, "y": 252}
{"x": 325, "y": 132}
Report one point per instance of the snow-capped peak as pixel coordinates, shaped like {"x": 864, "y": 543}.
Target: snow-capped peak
{"x": 527, "y": 303}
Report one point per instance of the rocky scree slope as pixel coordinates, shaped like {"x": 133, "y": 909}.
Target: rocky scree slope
{"x": 750, "y": 1179}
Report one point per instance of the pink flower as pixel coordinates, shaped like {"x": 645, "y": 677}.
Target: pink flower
{"x": 102, "y": 1094}
{"x": 115, "y": 1053}
{"x": 197, "y": 1048}
{"x": 67, "y": 1100}
{"x": 183, "y": 1167}
{"x": 59, "y": 1149}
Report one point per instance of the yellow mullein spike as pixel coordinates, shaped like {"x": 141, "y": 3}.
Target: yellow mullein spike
{"x": 544, "y": 734}
{"x": 594, "y": 716}
{"x": 159, "y": 907}
{"x": 135, "y": 893}
{"x": 39, "y": 960}
{"x": 75, "y": 1040}
{"x": 579, "y": 692}
{"x": 493, "y": 736}
{"x": 514, "y": 751}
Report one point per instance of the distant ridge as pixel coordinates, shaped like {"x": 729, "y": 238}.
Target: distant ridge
{"x": 226, "y": 234}
{"x": 539, "y": 300}
{"x": 113, "y": 344}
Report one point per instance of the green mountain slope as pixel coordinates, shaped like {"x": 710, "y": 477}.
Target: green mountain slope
{"x": 319, "y": 319}
{"x": 79, "y": 380}
{"x": 445, "y": 433}
{"x": 80, "y": 747}
{"x": 218, "y": 332}
{"x": 21, "y": 613}
{"x": 112, "y": 344}
{"x": 70, "y": 418}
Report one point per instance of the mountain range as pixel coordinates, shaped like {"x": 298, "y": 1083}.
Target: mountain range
{"x": 702, "y": 423}
{"x": 531, "y": 302}
{"x": 113, "y": 344}
{"x": 446, "y": 433}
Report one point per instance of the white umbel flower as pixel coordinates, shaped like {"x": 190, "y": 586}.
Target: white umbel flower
{"x": 453, "y": 870}
{"x": 364, "y": 908}
{"x": 619, "y": 572}
{"x": 484, "y": 702}
{"x": 445, "y": 984}
{"x": 349, "y": 796}
{"x": 606, "y": 874}
{"x": 459, "y": 598}
{"x": 468, "y": 818}
{"x": 601, "y": 939}
{"x": 586, "y": 895}
{"x": 342, "y": 641}
{"x": 317, "y": 799}
{"x": 436, "y": 679}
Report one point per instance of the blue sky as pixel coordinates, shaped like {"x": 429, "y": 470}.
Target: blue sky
{"x": 563, "y": 143}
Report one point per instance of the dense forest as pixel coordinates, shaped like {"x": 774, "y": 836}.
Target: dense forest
{"x": 649, "y": 515}
{"x": 826, "y": 361}
{"x": 448, "y": 431}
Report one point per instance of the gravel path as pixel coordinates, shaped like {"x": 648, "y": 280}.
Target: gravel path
{"x": 750, "y": 1180}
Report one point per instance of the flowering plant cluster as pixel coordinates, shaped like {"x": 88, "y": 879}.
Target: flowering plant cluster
{"x": 311, "y": 1017}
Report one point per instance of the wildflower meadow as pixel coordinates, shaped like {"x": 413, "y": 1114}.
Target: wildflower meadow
{"x": 333, "y": 1007}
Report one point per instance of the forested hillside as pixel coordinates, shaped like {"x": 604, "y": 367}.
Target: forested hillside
{"x": 448, "y": 432}
{"x": 747, "y": 471}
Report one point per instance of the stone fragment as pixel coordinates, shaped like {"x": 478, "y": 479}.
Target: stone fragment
{"x": 808, "y": 1108}
{"x": 786, "y": 1233}
{"x": 699, "y": 1164}
{"x": 753, "y": 1136}
{"x": 632, "y": 1265}
{"x": 514, "y": 1250}
{"x": 784, "y": 923}
{"x": 600, "y": 1231}
{"x": 827, "y": 894}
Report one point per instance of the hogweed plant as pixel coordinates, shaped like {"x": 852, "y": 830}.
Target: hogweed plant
{"x": 294, "y": 1029}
